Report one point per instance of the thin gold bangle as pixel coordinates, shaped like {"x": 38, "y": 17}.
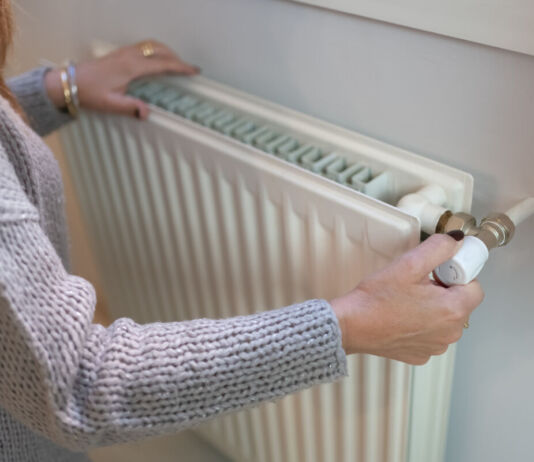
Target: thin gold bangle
{"x": 67, "y": 92}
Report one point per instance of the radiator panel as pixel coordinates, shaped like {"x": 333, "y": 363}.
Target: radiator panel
{"x": 188, "y": 223}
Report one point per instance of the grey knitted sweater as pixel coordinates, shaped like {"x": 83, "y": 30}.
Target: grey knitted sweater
{"x": 67, "y": 384}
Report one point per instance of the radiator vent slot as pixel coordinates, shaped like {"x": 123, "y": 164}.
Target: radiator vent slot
{"x": 261, "y": 135}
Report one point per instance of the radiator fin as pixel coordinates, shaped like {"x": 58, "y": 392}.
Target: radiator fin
{"x": 188, "y": 225}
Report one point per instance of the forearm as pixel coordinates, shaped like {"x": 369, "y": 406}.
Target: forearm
{"x": 99, "y": 385}
{"x": 39, "y": 93}
{"x": 143, "y": 380}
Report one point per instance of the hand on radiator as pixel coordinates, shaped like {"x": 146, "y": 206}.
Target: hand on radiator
{"x": 102, "y": 82}
{"x": 399, "y": 313}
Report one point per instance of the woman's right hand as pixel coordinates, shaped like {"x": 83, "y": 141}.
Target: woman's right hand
{"x": 399, "y": 313}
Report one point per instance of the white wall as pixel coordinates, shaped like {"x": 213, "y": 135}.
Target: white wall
{"x": 506, "y": 25}
{"x": 463, "y": 104}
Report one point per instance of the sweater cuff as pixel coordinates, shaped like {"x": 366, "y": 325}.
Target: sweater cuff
{"x": 30, "y": 91}
{"x": 332, "y": 340}
{"x": 300, "y": 345}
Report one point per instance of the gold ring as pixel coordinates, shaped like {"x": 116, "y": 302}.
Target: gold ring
{"x": 147, "y": 49}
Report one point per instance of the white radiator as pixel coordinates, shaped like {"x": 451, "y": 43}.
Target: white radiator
{"x": 208, "y": 210}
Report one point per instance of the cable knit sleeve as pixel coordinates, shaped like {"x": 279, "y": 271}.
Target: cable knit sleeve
{"x": 83, "y": 385}
{"x": 31, "y": 94}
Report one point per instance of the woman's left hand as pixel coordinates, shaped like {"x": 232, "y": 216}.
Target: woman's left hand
{"x": 102, "y": 82}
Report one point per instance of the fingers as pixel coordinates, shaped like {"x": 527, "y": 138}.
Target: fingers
{"x": 181, "y": 65}
{"x": 162, "y": 61}
{"x": 418, "y": 263}
{"x": 163, "y": 64}
{"x": 461, "y": 301}
{"x": 126, "y": 105}
{"x": 467, "y": 297}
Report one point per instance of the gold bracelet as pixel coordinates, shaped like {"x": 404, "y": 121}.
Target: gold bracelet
{"x": 67, "y": 92}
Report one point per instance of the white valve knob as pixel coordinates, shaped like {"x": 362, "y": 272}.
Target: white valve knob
{"x": 465, "y": 265}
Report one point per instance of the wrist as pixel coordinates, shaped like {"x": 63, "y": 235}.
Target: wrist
{"x": 339, "y": 307}
{"x": 358, "y": 329}
{"x": 54, "y": 90}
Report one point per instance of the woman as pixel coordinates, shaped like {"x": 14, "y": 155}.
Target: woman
{"x": 67, "y": 385}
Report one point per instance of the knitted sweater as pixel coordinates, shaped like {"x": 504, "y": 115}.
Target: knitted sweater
{"x": 67, "y": 384}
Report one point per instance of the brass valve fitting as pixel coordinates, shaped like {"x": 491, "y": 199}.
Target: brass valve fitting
{"x": 463, "y": 221}
{"x": 495, "y": 230}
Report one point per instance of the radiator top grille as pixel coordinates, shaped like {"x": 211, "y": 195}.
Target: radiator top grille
{"x": 251, "y": 131}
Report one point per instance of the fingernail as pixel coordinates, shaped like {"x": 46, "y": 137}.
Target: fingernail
{"x": 456, "y": 234}
{"x": 137, "y": 113}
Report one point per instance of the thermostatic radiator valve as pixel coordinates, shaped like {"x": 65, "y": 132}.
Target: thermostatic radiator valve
{"x": 496, "y": 230}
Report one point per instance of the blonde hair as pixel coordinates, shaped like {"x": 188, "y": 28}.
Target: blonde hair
{"x": 6, "y": 38}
